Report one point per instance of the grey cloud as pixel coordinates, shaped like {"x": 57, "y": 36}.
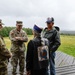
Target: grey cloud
{"x": 32, "y": 11}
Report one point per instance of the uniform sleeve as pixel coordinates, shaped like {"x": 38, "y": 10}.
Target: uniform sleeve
{"x": 57, "y": 42}
{"x": 3, "y": 50}
{"x": 11, "y": 36}
{"x": 29, "y": 56}
{"x": 25, "y": 37}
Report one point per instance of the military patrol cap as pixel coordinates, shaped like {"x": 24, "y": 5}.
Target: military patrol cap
{"x": 1, "y": 22}
{"x": 50, "y": 20}
{"x": 37, "y": 29}
{"x": 19, "y": 22}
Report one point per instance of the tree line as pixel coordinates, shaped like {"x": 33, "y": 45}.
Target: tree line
{"x": 6, "y": 30}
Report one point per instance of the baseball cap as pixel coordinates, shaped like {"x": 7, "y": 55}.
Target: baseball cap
{"x": 49, "y": 20}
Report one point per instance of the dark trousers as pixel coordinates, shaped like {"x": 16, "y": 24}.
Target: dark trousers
{"x": 39, "y": 72}
{"x": 52, "y": 63}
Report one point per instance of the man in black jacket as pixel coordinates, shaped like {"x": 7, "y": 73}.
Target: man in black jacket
{"x": 32, "y": 61}
{"x": 52, "y": 34}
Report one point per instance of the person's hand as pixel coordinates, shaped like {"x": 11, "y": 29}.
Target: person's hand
{"x": 18, "y": 38}
{"x": 28, "y": 73}
{"x": 10, "y": 54}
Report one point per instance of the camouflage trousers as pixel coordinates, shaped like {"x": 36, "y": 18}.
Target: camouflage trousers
{"x": 18, "y": 58}
{"x": 3, "y": 72}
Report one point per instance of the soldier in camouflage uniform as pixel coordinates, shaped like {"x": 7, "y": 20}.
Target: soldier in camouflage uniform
{"x": 4, "y": 55}
{"x": 18, "y": 37}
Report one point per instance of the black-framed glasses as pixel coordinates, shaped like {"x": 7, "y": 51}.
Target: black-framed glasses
{"x": 48, "y": 23}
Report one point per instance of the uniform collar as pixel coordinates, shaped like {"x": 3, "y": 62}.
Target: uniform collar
{"x": 18, "y": 31}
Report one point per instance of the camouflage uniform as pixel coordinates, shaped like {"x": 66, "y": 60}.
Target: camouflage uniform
{"x": 18, "y": 49}
{"x": 4, "y": 57}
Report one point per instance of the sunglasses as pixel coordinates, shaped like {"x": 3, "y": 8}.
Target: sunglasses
{"x": 48, "y": 23}
{"x": 0, "y": 25}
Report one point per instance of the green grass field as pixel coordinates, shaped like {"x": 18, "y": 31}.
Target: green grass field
{"x": 67, "y": 44}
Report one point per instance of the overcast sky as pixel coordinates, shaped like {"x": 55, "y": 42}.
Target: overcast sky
{"x": 36, "y": 12}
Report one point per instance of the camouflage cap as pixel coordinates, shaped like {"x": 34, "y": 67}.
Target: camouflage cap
{"x": 19, "y": 22}
{"x": 1, "y": 22}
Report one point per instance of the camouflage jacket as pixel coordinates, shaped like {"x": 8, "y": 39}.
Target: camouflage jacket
{"x": 4, "y": 54}
{"x": 54, "y": 38}
{"x": 17, "y": 45}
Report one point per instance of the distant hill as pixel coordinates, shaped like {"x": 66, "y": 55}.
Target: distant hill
{"x": 67, "y": 32}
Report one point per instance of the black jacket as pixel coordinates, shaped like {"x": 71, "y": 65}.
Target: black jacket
{"x": 54, "y": 38}
{"x": 32, "y": 55}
